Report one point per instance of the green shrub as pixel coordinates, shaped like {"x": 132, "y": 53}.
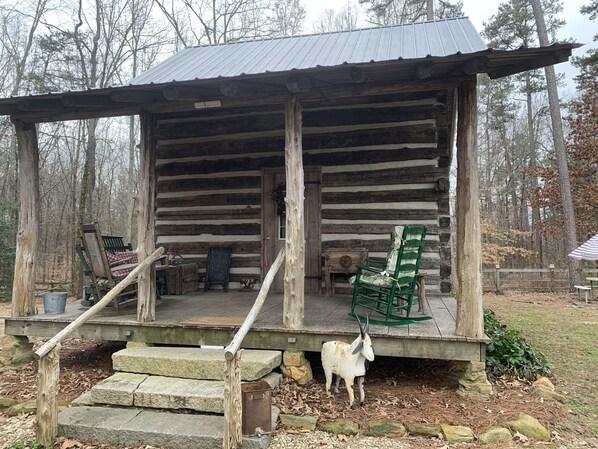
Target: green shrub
{"x": 509, "y": 354}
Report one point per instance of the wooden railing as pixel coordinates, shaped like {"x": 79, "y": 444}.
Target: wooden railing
{"x": 48, "y": 357}
{"x": 530, "y": 279}
{"x": 232, "y": 367}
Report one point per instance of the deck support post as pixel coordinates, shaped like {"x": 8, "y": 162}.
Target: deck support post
{"x": 294, "y": 275}
{"x": 146, "y": 237}
{"x": 23, "y": 290}
{"x": 470, "y": 314}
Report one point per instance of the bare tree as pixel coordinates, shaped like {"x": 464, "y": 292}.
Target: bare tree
{"x": 559, "y": 148}
{"x": 289, "y": 16}
{"x": 393, "y": 12}
{"x": 343, "y": 20}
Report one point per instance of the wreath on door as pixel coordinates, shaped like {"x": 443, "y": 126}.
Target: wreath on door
{"x": 278, "y": 195}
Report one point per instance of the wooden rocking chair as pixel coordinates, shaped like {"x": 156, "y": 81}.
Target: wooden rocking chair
{"x": 107, "y": 265}
{"x": 386, "y": 289}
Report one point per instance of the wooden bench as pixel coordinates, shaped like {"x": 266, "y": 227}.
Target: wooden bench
{"x": 583, "y": 288}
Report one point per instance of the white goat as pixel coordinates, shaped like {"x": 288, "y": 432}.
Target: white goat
{"x": 348, "y": 361}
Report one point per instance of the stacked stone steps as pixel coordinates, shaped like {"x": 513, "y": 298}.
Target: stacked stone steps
{"x": 166, "y": 397}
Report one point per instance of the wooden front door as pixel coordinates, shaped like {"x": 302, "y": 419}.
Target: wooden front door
{"x": 273, "y": 226}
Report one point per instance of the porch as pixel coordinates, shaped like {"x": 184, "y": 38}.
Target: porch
{"x": 211, "y": 318}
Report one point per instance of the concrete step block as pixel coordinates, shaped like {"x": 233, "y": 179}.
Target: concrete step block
{"x": 133, "y": 427}
{"x": 193, "y": 363}
{"x": 117, "y": 389}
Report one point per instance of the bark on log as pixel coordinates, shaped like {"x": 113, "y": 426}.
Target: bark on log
{"x": 23, "y": 290}
{"x": 146, "y": 303}
{"x": 294, "y": 276}
{"x": 470, "y": 315}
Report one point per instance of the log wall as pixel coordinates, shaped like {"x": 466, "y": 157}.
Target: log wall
{"x": 384, "y": 160}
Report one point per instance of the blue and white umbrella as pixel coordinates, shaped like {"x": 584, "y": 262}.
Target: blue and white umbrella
{"x": 587, "y": 251}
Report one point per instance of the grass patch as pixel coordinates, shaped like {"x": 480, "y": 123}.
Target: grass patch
{"x": 566, "y": 335}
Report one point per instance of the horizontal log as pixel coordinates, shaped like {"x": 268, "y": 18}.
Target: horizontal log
{"x": 358, "y": 228}
{"x": 298, "y": 83}
{"x": 320, "y": 159}
{"x": 235, "y": 262}
{"x": 380, "y": 214}
{"x": 54, "y": 105}
{"x": 87, "y": 101}
{"x": 136, "y": 96}
{"x": 357, "y": 197}
{"x": 270, "y": 122}
{"x": 198, "y": 229}
{"x": 382, "y": 245}
{"x": 232, "y": 199}
{"x": 238, "y": 247}
{"x": 184, "y": 185}
{"x": 403, "y": 175}
{"x": 186, "y": 93}
{"x": 211, "y": 214}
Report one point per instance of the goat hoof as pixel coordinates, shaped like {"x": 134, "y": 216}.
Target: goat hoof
{"x": 352, "y": 406}
{"x": 362, "y": 403}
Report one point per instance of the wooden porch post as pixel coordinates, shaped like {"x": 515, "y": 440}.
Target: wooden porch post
{"x": 23, "y": 290}
{"x": 146, "y": 235}
{"x": 470, "y": 314}
{"x": 294, "y": 275}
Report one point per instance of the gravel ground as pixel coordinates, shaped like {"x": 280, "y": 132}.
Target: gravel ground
{"x": 323, "y": 440}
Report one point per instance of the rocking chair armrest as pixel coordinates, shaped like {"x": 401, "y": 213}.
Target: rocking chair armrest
{"x": 361, "y": 268}
{"x": 381, "y": 262}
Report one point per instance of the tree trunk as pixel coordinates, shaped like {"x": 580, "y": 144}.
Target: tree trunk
{"x": 559, "y": 148}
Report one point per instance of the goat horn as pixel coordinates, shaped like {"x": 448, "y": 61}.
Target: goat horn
{"x": 367, "y": 323}
{"x": 361, "y": 331}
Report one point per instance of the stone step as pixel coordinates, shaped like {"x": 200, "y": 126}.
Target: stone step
{"x": 174, "y": 393}
{"x": 192, "y": 363}
{"x": 134, "y": 427}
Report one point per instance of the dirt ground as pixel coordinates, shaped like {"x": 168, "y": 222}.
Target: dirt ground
{"x": 406, "y": 390}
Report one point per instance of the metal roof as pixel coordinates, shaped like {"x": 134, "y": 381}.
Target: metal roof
{"x": 410, "y": 41}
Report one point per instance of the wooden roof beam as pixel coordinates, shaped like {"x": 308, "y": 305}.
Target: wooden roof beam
{"x": 186, "y": 93}
{"x": 39, "y": 105}
{"x": 87, "y": 101}
{"x": 136, "y": 96}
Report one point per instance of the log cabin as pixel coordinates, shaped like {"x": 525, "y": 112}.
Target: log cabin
{"x": 355, "y": 129}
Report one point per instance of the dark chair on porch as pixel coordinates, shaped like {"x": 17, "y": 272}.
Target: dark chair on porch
{"x": 386, "y": 289}
{"x": 106, "y": 265}
{"x": 218, "y": 267}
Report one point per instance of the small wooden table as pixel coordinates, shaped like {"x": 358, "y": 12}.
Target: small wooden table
{"x": 341, "y": 260}
{"x": 592, "y": 281}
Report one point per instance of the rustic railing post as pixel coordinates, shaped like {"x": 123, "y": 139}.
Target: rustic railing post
{"x": 497, "y": 278}
{"x": 48, "y": 356}
{"x": 232, "y": 402}
{"x": 232, "y": 366}
{"x": 551, "y": 266}
{"x": 47, "y": 397}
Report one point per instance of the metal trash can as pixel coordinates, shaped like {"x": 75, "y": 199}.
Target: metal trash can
{"x": 257, "y": 410}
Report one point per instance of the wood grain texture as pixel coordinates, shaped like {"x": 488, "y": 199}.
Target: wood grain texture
{"x": 47, "y": 397}
{"x": 23, "y": 290}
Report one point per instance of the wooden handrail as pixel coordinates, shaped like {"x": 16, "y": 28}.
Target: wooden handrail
{"x": 113, "y": 293}
{"x": 232, "y": 375}
{"x": 235, "y": 344}
{"x": 48, "y": 356}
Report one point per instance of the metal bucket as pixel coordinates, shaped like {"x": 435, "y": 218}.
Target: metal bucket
{"x": 257, "y": 409}
{"x": 54, "y": 302}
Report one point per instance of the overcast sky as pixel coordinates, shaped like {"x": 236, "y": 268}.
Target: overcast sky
{"x": 578, "y": 26}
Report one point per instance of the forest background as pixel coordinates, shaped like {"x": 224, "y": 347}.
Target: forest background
{"x": 88, "y": 169}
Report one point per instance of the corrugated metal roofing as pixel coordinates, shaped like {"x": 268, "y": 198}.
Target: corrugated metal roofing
{"x": 411, "y": 41}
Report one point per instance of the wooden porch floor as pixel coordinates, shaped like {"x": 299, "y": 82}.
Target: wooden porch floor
{"x": 211, "y": 319}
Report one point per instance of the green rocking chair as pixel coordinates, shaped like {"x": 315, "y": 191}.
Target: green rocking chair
{"x": 386, "y": 289}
